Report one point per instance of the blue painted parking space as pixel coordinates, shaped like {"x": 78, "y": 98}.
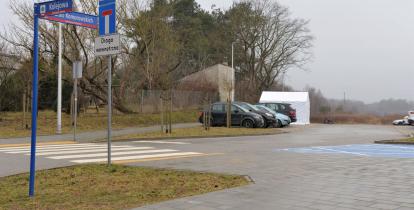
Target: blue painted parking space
{"x": 367, "y": 150}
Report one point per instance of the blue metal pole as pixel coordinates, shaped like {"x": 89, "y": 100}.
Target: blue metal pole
{"x": 34, "y": 102}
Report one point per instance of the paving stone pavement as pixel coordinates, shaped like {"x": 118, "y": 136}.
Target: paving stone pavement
{"x": 287, "y": 180}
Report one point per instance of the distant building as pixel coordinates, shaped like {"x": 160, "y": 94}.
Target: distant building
{"x": 217, "y": 78}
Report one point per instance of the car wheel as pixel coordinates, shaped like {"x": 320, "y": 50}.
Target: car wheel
{"x": 248, "y": 124}
{"x": 279, "y": 124}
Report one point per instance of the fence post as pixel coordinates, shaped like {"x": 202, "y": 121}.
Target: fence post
{"x": 162, "y": 116}
{"x": 24, "y": 109}
{"x": 209, "y": 113}
{"x": 171, "y": 110}
{"x": 142, "y": 100}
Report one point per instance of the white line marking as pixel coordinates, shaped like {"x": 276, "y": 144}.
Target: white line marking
{"x": 68, "y": 149}
{"x": 113, "y": 154}
{"x": 400, "y": 147}
{"x": 339, "y": 151}
{"x": 47, "y": 146}
{"x": 161, "y": 142}
{"x": 92, "y": 150}
{"x": 139, "y": 157}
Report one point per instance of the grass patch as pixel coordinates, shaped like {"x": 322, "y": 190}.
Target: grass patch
{"x": 11, "y": 124}
{"x": 397, "y": 141}
{"x": 200, "y": 132}
{"x": 100, "y": 187}
{"x": 351, "y": 118}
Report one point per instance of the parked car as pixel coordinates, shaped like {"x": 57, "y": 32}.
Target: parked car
{"x": 282, "y": 120}
{"x": 401, "y": 121}
{"x": 283, "y": 108}
{"x": 239, "y": 116}
{"x": 270, "y": 119}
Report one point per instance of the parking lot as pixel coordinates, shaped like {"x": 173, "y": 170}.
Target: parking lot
{"x": 304, "y": 180}
{"x": 311, "y": 167}
{"x": 366, "y": 150}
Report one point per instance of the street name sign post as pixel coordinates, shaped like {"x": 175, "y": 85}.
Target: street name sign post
{"x": 40, "y": 10}
{"x": 75, "y": 18}
{"x": 106, "y": 45}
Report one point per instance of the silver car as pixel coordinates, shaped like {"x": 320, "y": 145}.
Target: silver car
{"x": 282, "y": 120}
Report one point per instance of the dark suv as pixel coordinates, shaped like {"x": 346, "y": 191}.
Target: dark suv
{"x": 270, "y": 119}
{"x": 283, "y": 108}
{"x": 239, "y": 116}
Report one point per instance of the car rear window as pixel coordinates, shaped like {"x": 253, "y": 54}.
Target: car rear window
{"x": 218, "y": 108}
{"x": 273, "y": 106}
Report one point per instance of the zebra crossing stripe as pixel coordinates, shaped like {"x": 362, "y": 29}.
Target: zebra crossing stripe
{"x": 68, "y": 149}
{"x": 113, "y": 154}
{"x": 52, "y": 149}
{"x": 138, "y": 157}
{"x": 92, "y": 150}
{"x": 48, "y": 147}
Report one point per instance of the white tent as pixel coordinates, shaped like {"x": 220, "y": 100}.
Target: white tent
{"x": 298, "y": 100}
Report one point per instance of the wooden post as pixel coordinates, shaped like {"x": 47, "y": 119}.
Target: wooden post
{"x": 209, "y": 113}
{"x": 171, "y": 110}
{"x": 162, "y": 116}
{"x": 24, "y": 110}
{"x": 142, "y": 101}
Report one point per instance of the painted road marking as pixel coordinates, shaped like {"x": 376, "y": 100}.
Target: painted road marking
{"x": 94, "y": 153}
{"x": 138, "y": 157}
{"x": 16, "y": 151}
{"x": 113, "y": 154}
{"x": 368, "y": 150}
{"x": 69, "y": 149}
{"x": 92, "y": 150}
{"x": 339, "y": 151}
{"x": 44, "y": 146}
{"x": 39, "y": 144}
{"x": 162, "y": 142}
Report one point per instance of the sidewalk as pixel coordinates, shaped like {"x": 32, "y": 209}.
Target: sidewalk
{"x": 93, "y": 135}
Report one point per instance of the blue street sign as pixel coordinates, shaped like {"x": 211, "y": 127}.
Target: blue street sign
{"x": 107, "y": 17}
{"x": 53, "y": 7}
{"x": 75, "y": 18}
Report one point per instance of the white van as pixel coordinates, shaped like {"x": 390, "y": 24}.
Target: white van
{"x": 411, "y": 117}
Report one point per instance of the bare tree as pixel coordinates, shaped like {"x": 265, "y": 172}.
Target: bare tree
{"x": 78, "y": 45}
{"x": 269, "y": 42}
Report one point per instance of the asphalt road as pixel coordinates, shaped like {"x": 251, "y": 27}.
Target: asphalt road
{"x": 282, "y": 179}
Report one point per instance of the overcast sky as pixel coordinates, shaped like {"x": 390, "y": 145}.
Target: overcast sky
{"x": 363, "y": 47}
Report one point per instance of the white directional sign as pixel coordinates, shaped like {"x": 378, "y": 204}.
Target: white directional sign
{"x": 108, "y": 45}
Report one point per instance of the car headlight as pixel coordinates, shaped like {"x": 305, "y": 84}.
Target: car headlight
{"x": 269, "y": 115}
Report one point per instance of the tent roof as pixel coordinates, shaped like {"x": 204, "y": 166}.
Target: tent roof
{"x": 270, "y": 96}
